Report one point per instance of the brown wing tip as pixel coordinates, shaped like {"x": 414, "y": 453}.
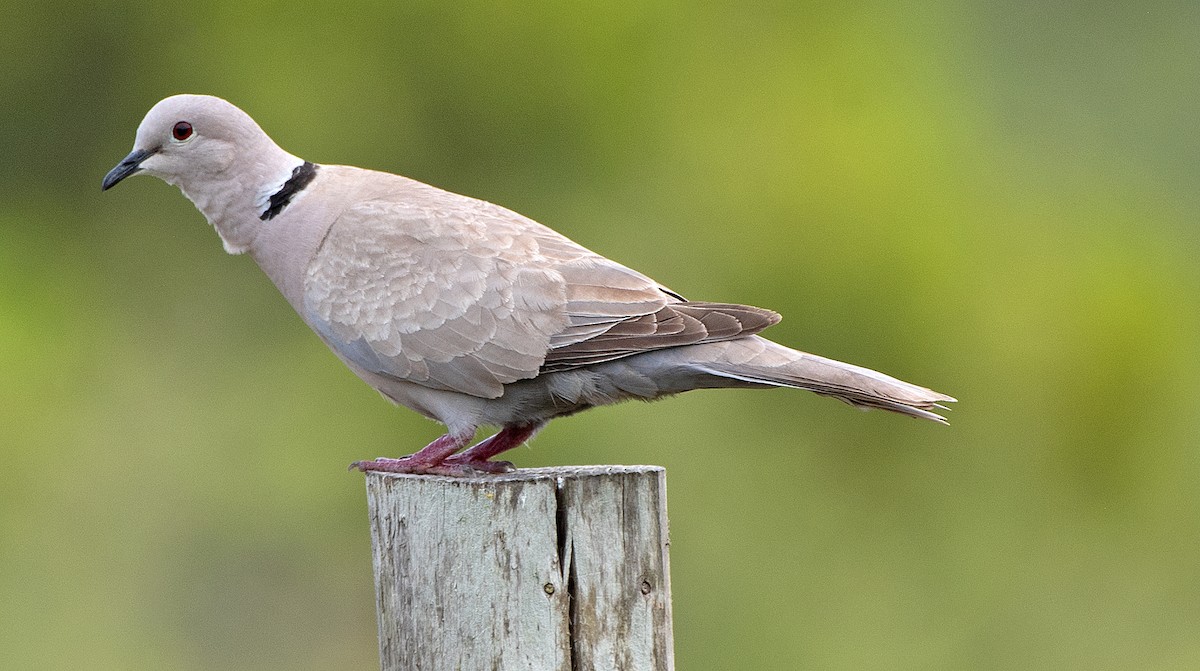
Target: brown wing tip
{"x": 750, "y": 319}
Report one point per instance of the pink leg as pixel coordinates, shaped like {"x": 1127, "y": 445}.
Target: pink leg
{"x": 476, "y": 458}
{"x": 430, "y": 459}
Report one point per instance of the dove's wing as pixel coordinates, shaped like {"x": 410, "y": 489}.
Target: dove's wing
{"x": 458, "y": 294}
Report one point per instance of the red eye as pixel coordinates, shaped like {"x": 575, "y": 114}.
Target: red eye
{"x": 182, "y": 131}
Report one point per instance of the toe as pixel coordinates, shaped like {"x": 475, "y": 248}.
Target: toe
{"x": 482, "y": 465}
{"x": 383, "y": 464}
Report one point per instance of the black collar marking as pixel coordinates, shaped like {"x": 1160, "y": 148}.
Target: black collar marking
{"x": 301, "y": 176}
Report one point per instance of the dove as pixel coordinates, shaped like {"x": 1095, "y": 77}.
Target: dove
{"x": 461, "y": 310}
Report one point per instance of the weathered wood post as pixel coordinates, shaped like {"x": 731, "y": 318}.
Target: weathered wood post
{"x": 547, "y": 569}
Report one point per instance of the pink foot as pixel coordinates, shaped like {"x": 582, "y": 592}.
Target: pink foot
{"x": 452, "y": 467}
{"x": 479, "y": 465}
{"x": 401, "y": 465}
{"x": 478, "y": 457}
{"x": 439, "y": 458}
{"x": 429, "y": 460}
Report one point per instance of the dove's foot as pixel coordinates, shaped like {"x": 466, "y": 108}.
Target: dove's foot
{"x": 477, "y": 466}
{"x": 439, "y": 458}
{"x": 454, "y": 467}
{"x": 478, "y": 456}
{"x": 428, "y": 460}
{"x": 402, "y": 465}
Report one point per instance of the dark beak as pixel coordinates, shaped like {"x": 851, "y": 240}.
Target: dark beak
{"x": 128, "y": 166}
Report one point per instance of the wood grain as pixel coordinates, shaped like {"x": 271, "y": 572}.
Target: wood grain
{"x": 543, "y": 569}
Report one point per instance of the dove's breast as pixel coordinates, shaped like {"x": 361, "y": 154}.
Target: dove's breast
{"x": 287, "y": 243}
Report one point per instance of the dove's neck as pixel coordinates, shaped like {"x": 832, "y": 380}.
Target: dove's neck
{"x": 239, "y": 202}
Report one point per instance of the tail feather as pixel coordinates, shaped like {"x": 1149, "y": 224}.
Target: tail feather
{"x": 758, "y": 361}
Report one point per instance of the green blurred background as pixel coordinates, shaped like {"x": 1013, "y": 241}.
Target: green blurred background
{"x": 995, "y": 199}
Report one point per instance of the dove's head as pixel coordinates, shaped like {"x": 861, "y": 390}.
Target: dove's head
{"x": 217, "y": 155}
{"x": 191, "y": 139}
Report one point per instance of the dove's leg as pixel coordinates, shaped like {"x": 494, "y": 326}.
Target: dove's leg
{"x": 428, "y": 460}
{"x": 476, "y": 458}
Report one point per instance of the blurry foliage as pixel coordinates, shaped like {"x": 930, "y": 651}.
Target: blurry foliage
{"x": 996, "y": 199}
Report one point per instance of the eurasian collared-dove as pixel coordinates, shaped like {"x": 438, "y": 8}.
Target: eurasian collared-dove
{"x": 466, "y": 312}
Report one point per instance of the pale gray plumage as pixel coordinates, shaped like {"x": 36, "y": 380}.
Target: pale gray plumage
{"x": 464, "y": 311}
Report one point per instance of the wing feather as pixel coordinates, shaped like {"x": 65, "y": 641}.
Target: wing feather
{"x": 462, "y": 295}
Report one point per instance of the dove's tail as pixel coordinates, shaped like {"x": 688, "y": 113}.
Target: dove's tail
{"x": 757, "y": 361}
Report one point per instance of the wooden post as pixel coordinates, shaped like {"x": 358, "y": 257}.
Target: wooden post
{"x": 546, "y": 569}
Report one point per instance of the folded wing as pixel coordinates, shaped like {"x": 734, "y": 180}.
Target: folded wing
{"x": 462, "y": 295}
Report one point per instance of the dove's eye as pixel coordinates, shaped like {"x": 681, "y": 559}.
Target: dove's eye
{"x": 182, "y": 131}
